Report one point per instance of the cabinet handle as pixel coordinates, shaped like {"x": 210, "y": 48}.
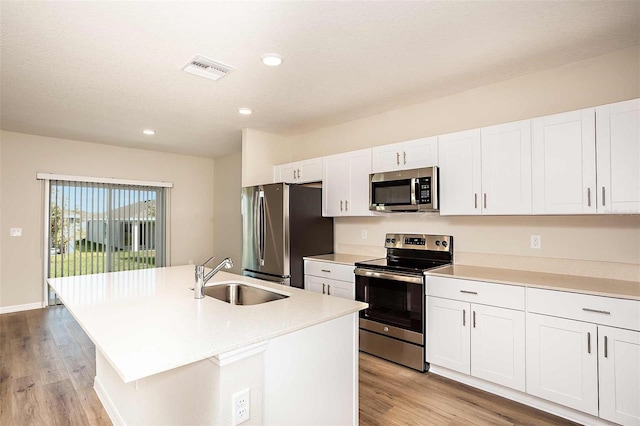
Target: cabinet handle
{"x": 323, "y": 288}
{"x": 589, "y": 197}
{"x": 603, "y": 195}
{"x": 474, "y": 319}
{"x": 397, "y": 158}
{"x": 328, "y": 289}
{"x": 340, "y": 205}
{"x": 464, "y": 317}
{"x": 326, "y": 270}
{"x": 597, "y": 311}
{"x": 404, "y": 154}
{"x": 468, "y": 292}
{"x": 299, "y": 175}
{"x": 588, "y": 342}
{"x": 606, "y": 351}
{"x": 485, "y": 200}
{"x": 294, "y": 175}
{"x": 475, "y": 201}
{"x": 346, "y": 205}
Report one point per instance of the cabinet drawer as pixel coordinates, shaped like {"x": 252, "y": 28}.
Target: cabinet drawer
{"x": 502, "y": 295}
{"x": 335, "y": 271}
{"x": 621, "y": 313}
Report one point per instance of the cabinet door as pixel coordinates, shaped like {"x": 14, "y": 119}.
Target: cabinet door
{"x": 419, "y": 153}
{"x": 618, "y": 148}
{"x": 358, "y": 168}
{"x": 386, "y": 158}
{"x": 619, "y": 369}
{"x": 334, "y": 182}
{"x": 314, "y": 284}
{"x": 497, "y": 345}
{"x": 448, "y": 338}
{"x": 310, "y": 171}
{"x": 285, "y": 172}
{"x": 506, "y": 168}
{"x": 460, "y": 175}
{"x": 564, "y": 164}
{"x": 341, "y": 289}
{"x": 562, "y": 362}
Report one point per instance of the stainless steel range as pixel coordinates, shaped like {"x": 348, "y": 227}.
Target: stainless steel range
{"x": 393, "y": 326}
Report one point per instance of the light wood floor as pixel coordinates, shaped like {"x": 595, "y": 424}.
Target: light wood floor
{"x": 47, "y": 366}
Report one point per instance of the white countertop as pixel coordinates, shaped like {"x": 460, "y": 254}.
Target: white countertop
{"x": 343, "y": 258}
{"x": 147, "y": 321}
{"x": 572, "y": 283}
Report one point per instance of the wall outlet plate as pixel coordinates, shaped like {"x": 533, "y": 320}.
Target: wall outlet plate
{"x": 15, "y": 232}
{"x": 241, "y": 406}
{"x": 536, "y": 242}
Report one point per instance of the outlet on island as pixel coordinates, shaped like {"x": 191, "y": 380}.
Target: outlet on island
{"x": 241, "y": 407}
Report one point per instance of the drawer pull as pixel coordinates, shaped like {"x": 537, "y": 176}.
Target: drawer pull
{"x": 588, "y": 342}
{"x": 326, "y": 270}
{"x": 464, "y": 317}
{"x": 606, "y": 352}
{"x": 597, "y": 311}
{"x": 468, "y": 292}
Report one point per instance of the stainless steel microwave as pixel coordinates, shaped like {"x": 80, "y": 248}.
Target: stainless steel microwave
{"x": 413, "y": 190}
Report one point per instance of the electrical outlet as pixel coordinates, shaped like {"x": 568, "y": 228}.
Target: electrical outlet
{"x": 364, "y": 234}
{"x": 536, "y": 242}
{"x": 190, "y": 262}
{"x": 241, "y": 407}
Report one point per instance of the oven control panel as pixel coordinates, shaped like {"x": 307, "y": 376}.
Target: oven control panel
{"x": 419, "y": 242}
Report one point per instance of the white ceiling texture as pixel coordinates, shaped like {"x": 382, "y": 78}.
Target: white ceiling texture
{"x": 101, "y": 71}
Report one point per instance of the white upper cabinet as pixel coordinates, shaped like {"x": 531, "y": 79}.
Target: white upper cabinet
{"x": 486, "y": 171}
{"x": 299, "y": 172}
{"x": 618, "y": 157}
{"x": 506, "y": 168}
{"x": 405, "y": 155}
{"x": 460, "y": 173}
{"x": 588, "y": 161}
{"x": 564, "y": 163}
{"x": 345, "y": 187}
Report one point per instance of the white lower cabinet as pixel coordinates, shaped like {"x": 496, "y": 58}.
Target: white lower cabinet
{"x": 562, "y": 362}
{"x": 583, "y": 351}
{"x": 473, "y": 338}
{"x": 484, "y": 341}
{"x": 332, "y": 279}
{"x": 619, "y": 375}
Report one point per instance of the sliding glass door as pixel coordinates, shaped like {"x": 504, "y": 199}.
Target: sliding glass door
{"x": 104, "y": 227}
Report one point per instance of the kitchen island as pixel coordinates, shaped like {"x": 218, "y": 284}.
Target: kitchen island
{"x": 164, "y": 357}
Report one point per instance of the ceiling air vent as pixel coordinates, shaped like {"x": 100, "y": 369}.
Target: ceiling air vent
{"x": 207, "y": 68}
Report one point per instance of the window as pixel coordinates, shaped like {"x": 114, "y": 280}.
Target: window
{"x": 96, "y": 227}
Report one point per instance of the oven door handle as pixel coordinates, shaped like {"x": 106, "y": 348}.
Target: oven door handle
{"x": 393, "y": 276}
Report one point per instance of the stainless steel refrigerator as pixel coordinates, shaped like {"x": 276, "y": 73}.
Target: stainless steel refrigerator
{"x": 281, "y": 223}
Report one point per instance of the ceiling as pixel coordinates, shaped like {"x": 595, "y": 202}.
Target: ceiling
{"x": 102, "y": 71}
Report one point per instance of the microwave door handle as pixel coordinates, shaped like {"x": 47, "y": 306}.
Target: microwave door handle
{"x": 435, "y": 199}
{"x": 415, "y": 188}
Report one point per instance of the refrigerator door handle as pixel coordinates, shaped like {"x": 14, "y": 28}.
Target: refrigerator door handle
{"x": 262, "y": 228}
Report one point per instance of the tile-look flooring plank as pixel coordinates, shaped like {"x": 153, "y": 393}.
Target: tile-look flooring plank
{"x": 47, "y": 366}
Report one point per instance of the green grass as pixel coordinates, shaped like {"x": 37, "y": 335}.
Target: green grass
{"x": 93, "y": 262}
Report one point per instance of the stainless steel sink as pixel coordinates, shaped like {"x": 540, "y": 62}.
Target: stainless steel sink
{"x": 241, "y": 294}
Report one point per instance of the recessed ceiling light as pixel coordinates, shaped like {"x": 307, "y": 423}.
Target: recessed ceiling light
{"x": 245, "y": 111}
{"x": 271, "y": 59}
{"x": 149, "y": 132}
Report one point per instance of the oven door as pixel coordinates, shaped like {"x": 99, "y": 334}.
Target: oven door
{"x": 395, "y": 300}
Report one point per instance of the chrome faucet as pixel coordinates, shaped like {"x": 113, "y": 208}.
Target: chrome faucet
{"x": 201, "y": 278}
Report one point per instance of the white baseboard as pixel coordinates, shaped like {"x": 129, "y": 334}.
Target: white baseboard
{"x": 18, "y": 308}
{"x": 111, "y": 410}
{"x": 521, "y": 397}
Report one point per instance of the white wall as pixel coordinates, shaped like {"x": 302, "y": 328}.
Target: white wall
{"x": 572, "y": 244}
{"x": 22, "y": 156}
{"x": 227, "y": 225}
{"x": 260, "y": 151}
